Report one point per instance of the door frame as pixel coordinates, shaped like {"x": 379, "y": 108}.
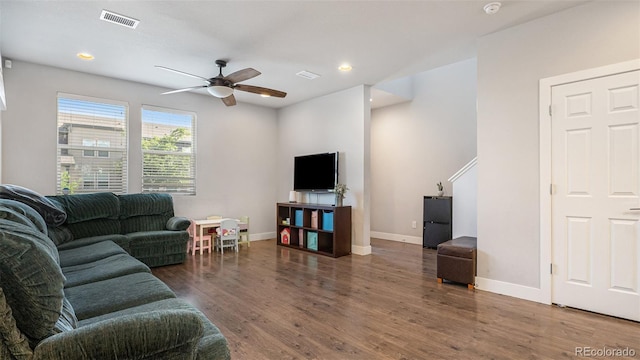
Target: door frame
{"x": 545, "y": 159}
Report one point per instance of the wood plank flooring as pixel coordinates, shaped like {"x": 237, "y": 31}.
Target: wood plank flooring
{"x": 277, "y": 303}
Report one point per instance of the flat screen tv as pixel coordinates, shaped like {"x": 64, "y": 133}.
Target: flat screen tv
{"x": 317, "y": 172}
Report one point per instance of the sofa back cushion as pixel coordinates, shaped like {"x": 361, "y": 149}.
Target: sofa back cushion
{"x": 84, "y": 207}
{"x": 145, "y": 212}
{"x": 31, "y": 279}
{"x": 90, "y": 214}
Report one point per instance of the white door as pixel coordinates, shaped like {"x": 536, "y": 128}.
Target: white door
{"x": 596, "y": 191}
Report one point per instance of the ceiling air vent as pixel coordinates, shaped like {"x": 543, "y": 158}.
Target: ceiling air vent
{"x": 307, "y": 74}
{"x": 114, "y": 18}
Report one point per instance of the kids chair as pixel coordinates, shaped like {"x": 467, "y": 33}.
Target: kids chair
{"x": 244, "y": 233}
{"x": 227, "y": 236}
{"x": 195, "y": 242}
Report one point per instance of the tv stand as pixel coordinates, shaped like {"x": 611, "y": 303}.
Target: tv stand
{"x": 319, "y": 229}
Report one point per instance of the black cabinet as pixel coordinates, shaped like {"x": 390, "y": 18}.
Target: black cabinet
{"x": 436, "y": 219}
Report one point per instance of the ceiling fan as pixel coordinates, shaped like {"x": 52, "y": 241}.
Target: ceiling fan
{"x": 222, "y": 86}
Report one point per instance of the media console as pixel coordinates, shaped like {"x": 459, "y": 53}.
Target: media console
{"x": 320, "y": 229}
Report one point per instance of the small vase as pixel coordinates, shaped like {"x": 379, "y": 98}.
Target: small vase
{"x": 440, "y": 193}
{"x": 339, "y": 200}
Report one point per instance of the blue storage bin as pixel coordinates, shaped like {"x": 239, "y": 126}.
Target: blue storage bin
{"x": 298, "y": 218}
{"x": 312, "y": 240}
{"x": 327, "y": 220}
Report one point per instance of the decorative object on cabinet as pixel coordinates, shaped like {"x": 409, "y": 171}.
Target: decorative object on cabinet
{"x": 440, "y": 188}
{"x": 340, "y": 190}
{"x": 312, "y": 240}
{"x": 285, "y": 236}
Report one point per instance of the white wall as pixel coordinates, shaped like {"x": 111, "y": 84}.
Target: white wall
{"x": 510, "y": 64}
{"x": 236, "y": 146}
{"x": 465, "y": 201}
{"x": 414, "y": 145}
{"x": 335, "y": 122}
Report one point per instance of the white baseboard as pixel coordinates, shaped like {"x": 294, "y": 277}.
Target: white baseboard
{"x": 360, "y": 250}
{"x": 397, "y": 237}
{"x": 262, "y": 236}
{"x": 511, "y": 289}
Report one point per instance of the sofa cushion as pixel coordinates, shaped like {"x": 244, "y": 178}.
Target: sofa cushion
{"x": 89, "y": 253}
{"x": 126, "y": 291}
{"x": 85, "y": 207}
{"x": 95, "y": 227}
{"x": 52, "y": 214}
{"x": 119, "y": 239}
{"x": 103, "y": 269}
{"x": 31, "y": 279}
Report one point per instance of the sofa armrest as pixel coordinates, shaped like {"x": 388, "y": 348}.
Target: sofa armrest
{"x": 178, "y": 223}
{"x": 150, "y": 335}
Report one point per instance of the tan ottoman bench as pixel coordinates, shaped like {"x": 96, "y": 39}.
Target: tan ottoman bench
{"x": 457, "y": 260}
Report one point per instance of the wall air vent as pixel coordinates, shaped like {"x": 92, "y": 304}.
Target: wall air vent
{"x": 114, "y": 18}
{"x": 307, "y": 75}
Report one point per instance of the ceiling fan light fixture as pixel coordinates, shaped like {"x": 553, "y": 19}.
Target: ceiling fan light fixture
{"x": 220, "y": 91}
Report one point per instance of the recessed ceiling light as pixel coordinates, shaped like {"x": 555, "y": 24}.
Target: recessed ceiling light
{"x": 345, "y": 67}
{"x": 85, "y": 56}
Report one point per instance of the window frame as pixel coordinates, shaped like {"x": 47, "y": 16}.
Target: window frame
{"x": 193, "y": 152}
{"x": 63, "y": 151}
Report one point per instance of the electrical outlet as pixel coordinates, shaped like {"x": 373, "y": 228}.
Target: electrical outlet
{"x": 414, "y": 224}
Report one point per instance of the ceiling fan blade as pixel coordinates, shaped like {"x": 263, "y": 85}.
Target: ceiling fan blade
{"x": 260, "y": 90}
{"x": 242, "y": 75}
{"x": 185, "y": 89}
{"x": 229, "y": 100}
{"x": 182, "y": 73}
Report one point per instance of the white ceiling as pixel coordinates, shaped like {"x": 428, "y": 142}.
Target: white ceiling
{"x": 383, "y": 40}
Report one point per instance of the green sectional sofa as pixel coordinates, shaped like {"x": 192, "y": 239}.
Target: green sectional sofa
{"x": 142, "y": 224}
{"x": 88, "y": 298}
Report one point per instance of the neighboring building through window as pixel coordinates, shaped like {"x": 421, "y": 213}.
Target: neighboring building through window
{"x": 92, "y": 145}
{"x": 168, "y": 151}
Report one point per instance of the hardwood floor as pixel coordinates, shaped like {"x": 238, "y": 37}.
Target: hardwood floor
{"x": 277, "y": 303}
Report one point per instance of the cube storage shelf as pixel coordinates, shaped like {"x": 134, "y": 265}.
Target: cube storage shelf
{"x": 320, "y": 229}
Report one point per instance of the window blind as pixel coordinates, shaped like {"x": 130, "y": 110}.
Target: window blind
{"x": 168, "y": 151}
{"x": 92, "y": 145}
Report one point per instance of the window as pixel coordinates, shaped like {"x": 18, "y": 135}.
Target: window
{"x": 168, "y": 151}
{"x": 92, "y": 145}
